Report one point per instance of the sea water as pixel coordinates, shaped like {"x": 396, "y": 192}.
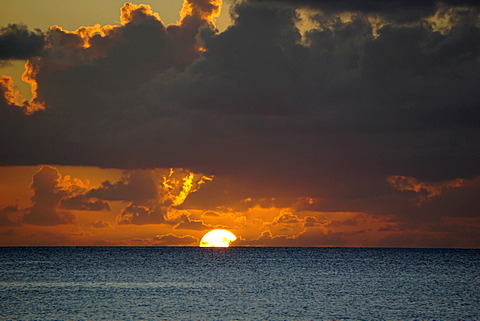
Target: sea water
{"x": 238, "y": 283}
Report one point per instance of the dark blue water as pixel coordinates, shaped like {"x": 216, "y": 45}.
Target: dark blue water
{"x": 149, "y": 283}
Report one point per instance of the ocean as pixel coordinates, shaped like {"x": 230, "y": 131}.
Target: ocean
{"x": 238, "y": 283}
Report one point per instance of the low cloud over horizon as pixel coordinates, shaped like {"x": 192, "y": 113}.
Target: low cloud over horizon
{"x": 369, "y": 110}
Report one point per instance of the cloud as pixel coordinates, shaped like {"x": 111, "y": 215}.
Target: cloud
{"x": 251, "y": 102}
{"x": 17, "y": 42}
{"x": 267, "y": 239}
{"x": 199, "y": 12}
{"x": 286, "y": 218}
{"x": 310, "y": 221}
{"x": 47, "y": 195}
{"x": 174, "y": 240}
{"x": 188, "y": 224}
{"x": 310, "y": 237}
{"x": 7, "y": 88}
{"x": 84, "y": 203}
{"x": 426, "y": 202}
{"x": 135, "y": 186}
{"x": 460, "y": 201}
{"x": 318, "y": 237}
{"x": 54, "y": 196}
{"x": 10, "y": 98}
{"x": 101, "y": 224}
{"x": 140, "y": 215}
{"x": 150, "y": 194}
{"x": 424, "y": 190}
{"x": 6, "y": 217}
{"x": 396, "y": 10}
{"x": 211, "y": 214}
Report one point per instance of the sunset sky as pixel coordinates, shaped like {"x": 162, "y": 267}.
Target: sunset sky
{"x": 289, "y": 123}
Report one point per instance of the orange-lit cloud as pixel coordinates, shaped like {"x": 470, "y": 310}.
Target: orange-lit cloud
{"x": 151, "y": 194}
{"x": 188, "y": 224}
{"x": 60, "y": 202}
{"x": 9, "y": 92}
{"x": 29, "y": 76}
{"x": 131, "y": 13}
{"x": 177, "y": 187}
{"x": 286, "y": 218}
{"x": 424, "y": 190}
{"x": 203, "y": 10}
{"x": 81, "y": 37}
{"x": 12, "y": 96}
{"x": 17, "y": 42}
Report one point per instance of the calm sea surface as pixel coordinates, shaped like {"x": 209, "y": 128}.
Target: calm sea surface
{"x": 164, "y": 283}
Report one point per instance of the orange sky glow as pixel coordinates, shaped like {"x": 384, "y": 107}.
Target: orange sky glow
{"x": 180, "y": 224}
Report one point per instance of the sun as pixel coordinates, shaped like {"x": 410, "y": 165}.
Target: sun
{"x": 217, "y": 238}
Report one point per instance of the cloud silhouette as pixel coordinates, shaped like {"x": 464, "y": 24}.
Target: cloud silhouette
{"x": 171, "y": 239}
{"x": 6, "y": 218}
{"x": 46, "y": 198}
{"x": 140, "y": 215}
{"x": 185, "y": 223}
{"x": 84, "y": 203}
{"x": 17, "y": 42}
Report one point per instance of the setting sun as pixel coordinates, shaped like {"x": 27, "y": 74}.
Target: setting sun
{"x": 217, "y": 238}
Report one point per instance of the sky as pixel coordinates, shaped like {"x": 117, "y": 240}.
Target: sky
{"x": 289, "y": 123}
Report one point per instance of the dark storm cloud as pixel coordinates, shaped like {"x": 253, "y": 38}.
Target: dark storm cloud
{"x": 17, "y": 42}
{"x": 346, "y": 101}
{"x": 331, "y": 112}
{"x": 397, "y": 10}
